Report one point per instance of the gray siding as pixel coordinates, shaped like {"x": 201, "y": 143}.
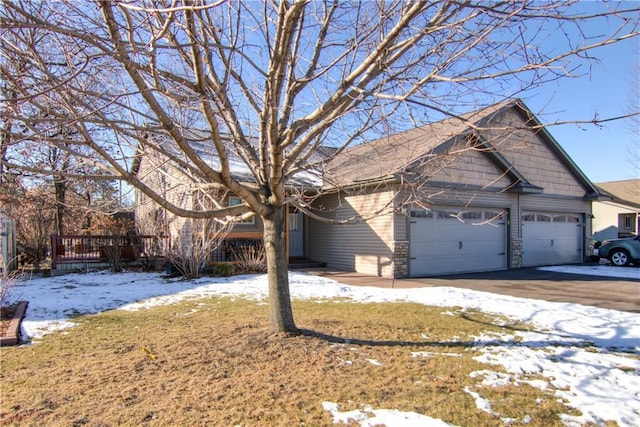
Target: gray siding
{"x": 177, "y": 187}
{"x": 400, "y": 227}
{"x": 365, "y": 247}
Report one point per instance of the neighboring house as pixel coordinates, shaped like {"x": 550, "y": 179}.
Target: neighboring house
{"x": 620, "y": 216}
{"x": 8, "y": 251}
{"x": 490, "y": 190}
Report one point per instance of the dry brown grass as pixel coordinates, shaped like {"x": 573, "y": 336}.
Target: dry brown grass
{"x": 211, "y": 362}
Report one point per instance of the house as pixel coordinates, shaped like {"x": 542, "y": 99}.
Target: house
{"x": 620, "y": 216}
{"x": 489, "y": 190}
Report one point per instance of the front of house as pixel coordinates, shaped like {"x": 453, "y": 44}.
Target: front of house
{"x": 491, "y": 190}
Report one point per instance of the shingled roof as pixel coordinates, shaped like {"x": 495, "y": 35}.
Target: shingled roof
{"x": 626, "y": 191}
{"x": 385, "y": 157}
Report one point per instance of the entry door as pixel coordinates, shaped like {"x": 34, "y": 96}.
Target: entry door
{"x": 296, "y": 234}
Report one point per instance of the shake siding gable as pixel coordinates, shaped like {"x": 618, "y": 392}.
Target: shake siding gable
{"x": 530, "y": 154}
{"x": 365, "y": 247}
{"x": 472, "y": 168}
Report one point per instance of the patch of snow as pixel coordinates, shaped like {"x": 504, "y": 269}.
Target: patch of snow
{"x": 481, "y": 403}
{"x": 369, "y": 417}
{"x": 433, "y": 353}
{"x": 596, "y": 270}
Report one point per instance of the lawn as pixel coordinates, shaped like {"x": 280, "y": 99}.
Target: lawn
{"x": 212, "y": 362}
{"x": 141, "y": 349}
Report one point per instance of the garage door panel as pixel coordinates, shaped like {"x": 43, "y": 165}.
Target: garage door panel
{"x": 551, "y": 238}
{"x": 443, "y": 244}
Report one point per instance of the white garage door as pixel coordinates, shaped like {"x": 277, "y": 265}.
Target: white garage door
{"x": 551, "y": 238}
{"x": 444, "y": 241}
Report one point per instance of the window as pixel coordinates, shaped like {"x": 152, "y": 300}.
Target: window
{"x": 293, "y": 222}
{"x": 560, "y": 218}
{"x": 543, "y": 218}
{"x": 472, "y": 215}
{"x": 528, "y": 217}
{"x": 425, "y": 213}
{"x": 447, "y": 214}
{"x": 233, "y": 201}
{"x": 627, "y": 222}
{"x": 491, "y": 215}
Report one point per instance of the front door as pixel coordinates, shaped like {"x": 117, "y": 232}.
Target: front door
{"x": 296, "y": 235}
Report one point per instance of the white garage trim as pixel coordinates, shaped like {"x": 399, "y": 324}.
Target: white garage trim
{"x": 447, "y": 240}
{"x": 550, "y": 238}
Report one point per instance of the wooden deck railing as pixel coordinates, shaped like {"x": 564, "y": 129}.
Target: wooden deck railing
{"x": 83, "y": 248}
{"x": 72, "y": 249}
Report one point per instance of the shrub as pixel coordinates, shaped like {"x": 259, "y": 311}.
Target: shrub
{"x": 251, "y": 259}
{"x": 223, "y": 270}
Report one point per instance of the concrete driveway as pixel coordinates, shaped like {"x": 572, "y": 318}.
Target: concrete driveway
{"x": 604, "y": 292}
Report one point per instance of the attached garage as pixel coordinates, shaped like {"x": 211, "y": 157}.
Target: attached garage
{"x": 443, "y": 241}
{"x": 488, "y": 191}
{"x": 550, "y": 238}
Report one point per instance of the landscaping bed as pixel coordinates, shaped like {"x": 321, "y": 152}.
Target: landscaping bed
{"x": 10, "y": 318}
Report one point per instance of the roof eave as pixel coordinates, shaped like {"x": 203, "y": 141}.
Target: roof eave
{"x": 525, "y": 188}
{"x": 596, "y": 196}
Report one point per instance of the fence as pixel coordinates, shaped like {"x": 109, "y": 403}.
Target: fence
{"x": 230, "y": 248}
{"x": 80, "y": 249}
{"x": 102, "y": 249}
{"x": 8, "y": 253}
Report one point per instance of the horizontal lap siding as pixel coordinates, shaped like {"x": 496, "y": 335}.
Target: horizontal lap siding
{"x": 174, "y": 186}
{"x": 168, "y": 182}
{"x": 364, "y": 247}
{"x": 554, "y": 204}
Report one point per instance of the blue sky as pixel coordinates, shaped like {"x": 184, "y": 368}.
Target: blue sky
{"x": 612, "y": 152}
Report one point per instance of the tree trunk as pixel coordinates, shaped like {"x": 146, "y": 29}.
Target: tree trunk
{"x": 280, "y": 312}
{"x": 60, "y": 189}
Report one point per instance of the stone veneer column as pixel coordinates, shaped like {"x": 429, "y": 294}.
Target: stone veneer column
{"x": 400, "y": 259}
{"x": 516, "y": 253}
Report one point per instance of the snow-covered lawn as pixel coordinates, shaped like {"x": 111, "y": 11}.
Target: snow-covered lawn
{"x": 591, "y": 356}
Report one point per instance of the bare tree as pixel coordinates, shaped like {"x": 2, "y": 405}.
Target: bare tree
{"x": 270, "y": 85}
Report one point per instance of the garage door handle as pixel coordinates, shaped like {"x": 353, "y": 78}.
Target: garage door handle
{"x": 460, "y": 245}
{"x": 551, "y": 242}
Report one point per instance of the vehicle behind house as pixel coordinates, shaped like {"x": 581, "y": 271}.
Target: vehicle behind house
{"x": 621, "y": 252}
